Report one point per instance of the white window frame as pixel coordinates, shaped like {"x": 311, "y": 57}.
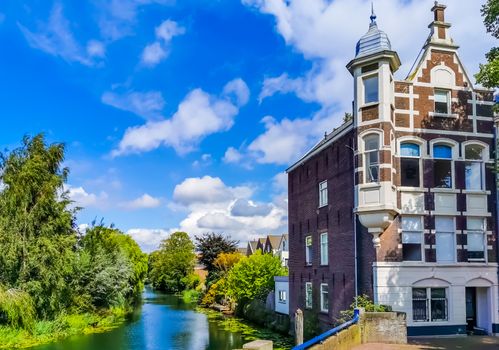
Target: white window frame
{"x": 485, "y": 157}
{"x": 323, "y": 309}
{"x": 368, "y": 76}
{"x": 309, "y": 252}
{"x": 428, "y": 305}
{"x": 454, "y": 152}
{"x": 324, "y": 249}
{"x": 483, "y": 232}
{"x": 421, "y": 236}
{"x": 449, "y": 104}
{"x": 366, "y": 168}
{"x": 420, "y": 158}
{"x": 282, "y": 297}
{"x": 309, "y": 294}
{"x": 453, "y": 239}
{"x": 323, "y": 194}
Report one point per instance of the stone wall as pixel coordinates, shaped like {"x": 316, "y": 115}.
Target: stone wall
{"x": 384, "y": 327}
{"x": 344, "y": 340}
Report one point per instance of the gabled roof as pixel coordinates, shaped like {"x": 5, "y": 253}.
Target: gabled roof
{"x": 252, "y": 246}
{"x": 274, "y": 241}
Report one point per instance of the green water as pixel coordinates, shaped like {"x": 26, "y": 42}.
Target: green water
{"x": 165, "y": 322}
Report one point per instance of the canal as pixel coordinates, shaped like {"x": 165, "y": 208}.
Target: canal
{"x": 166, "y": 322}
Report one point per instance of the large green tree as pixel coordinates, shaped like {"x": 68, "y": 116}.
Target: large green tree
{"x": 489, "y": 72}
{"x": 37, "y": 226}
{"x": 210, "y": 245}
{"x": 172, "y": 266}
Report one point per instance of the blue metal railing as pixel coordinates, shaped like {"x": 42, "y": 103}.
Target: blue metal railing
{"x": 320, "y": 338}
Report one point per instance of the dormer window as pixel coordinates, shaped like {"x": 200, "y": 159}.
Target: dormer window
{"x": 442, "y": 101}
{"x": 371, "y": 89}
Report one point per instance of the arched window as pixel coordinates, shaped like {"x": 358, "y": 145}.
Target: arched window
{"x": 371, "y": 158}
{"x": 442, "y": 166}
{"x": 410, "y": 164}
{"x": 474, "y": 167}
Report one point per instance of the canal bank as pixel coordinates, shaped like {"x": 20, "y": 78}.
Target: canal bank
{"x": 166, "y": 322}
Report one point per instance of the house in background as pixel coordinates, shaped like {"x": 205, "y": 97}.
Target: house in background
{"x": 400, "y": 202}
{"x": 281, "y": 292}
{"x": 276, "y": 245}
{"x": 283, "y": 250}
{"x": 272, "y": 244}
{"x": 251, "y": 248}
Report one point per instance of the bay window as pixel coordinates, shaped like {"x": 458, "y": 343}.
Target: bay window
{"x": 474, "y": 167}
{"x": 476, "y": 239}
{"x": 324, "y": 249}
{"x": 412, "y": 238}
{"x": 324, "y": 297}
{"x": 445, "y": 239}
{"x": 371, "y": 158}
{"x": 409, "y": 165}
{"x": 371, "y": 89}
{"x": 442, "y": 166}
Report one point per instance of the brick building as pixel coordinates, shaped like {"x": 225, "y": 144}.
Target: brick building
{"x": 400, "y": 202}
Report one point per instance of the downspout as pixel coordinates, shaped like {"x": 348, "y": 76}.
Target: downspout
{"x": 354, "y": 221}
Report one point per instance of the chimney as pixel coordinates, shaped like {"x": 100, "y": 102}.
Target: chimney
{"x": 439, "y": 12}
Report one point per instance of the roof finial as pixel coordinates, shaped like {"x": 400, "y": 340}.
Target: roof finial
{"x": 373, "y": 15}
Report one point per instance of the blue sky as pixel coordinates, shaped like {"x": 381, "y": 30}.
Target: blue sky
{"x": 184, "y": 114}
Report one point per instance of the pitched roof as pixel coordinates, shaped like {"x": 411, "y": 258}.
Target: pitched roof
{"x": 274, "y": 240}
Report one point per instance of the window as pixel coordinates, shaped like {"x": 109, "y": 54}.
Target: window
{"x": 282, "y": 296}
{"x": 412, "y": 236}
{"x": 371, "y": 157}
{"x": 432, "y": 309}
{"x": 409, "y": 165}
{"x": 442, "y": 166}
{"x": 308, "y": 250}
{"x": 324, "y": 249}
{"x": 323, "y": 194}
{"x": 308, "y": 295}
{"x": 474, "y": 167}
{"x": 324, "y": 297}
{"x": 371, "y": 89}
{"x": 442, "y": 101}
{"x": 445, "y": 244}
{"x": 476, "y": 239}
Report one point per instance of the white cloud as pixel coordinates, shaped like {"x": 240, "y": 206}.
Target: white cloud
{"x": 145, "y": 201}
{"x": 232, "y": 155}
{"x": 96, "y": 48}
{"x": 280, "y": 182}
{"x": 157, "y": 51}
{"x": 148, "y": 239}
{"x": 56, "y": 38}
{"x": 243, "y": 207}
{"x": 324, "y": 35}
{"x": 118, "y": 18}
{"x": 82, "y": 198}
{"x": 217, "y": 222}
{"x": 198, "y": 115}
{"x": 239, "y": 89}
{"x": 145, "y": 104}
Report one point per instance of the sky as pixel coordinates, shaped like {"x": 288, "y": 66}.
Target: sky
{"x": 184, "y": 115}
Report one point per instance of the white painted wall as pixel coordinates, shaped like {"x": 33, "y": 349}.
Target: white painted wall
{"x": 281, "y": 284}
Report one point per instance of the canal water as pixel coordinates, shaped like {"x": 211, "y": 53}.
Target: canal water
{"x": 166, "y": 322}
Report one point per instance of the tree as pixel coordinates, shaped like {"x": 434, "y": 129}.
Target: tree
{"x": 488, "y": 75}
{"x": 173, "y": 263}
{"x": 37, "y": 228}
{"x": 253, "y": 277}
{"x": 210, "y": 245}
{"x": 226, "y": 261}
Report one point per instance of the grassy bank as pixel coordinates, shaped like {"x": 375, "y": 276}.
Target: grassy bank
{"x": 63, "y": 326}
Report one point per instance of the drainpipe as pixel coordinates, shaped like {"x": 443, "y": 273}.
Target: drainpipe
{"x": 354, "y": 226}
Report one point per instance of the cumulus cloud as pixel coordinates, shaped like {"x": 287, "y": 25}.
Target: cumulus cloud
{"x": 56, "y": 38}
{"x": 148, "y": 239}
{"x": 144, "y": 104}
{"x": 320, "y": 31}
{"x": 232, "y": 155}
{"x": 198, "y": 115}
{"x": 145, "y": 201}
{"x": 157, "y": 51}
{"x": 239, "y": 90}
{"x": 243, "y": 207}
{"x": 84, "y": 199}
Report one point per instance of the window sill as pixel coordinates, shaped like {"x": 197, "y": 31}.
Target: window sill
{"x": 370, "y": 104}
{"x": 322, "y": 206}
{"x": 443, "y": 115}
{"x": 476, "y": 192}
{"x": 411, "y": 189}
{"x": 370, "y": 185}
{"x": 324, "y": 265}
{"x": 444, "y": 190}
{"x": 325, "y": 312}
{"x": 308, "y": 265}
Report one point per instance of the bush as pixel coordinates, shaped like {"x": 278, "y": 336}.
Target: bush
{"x": 17, "y": 308}
{"x": 362, "y": 301}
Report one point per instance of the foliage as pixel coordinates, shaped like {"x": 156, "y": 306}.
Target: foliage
{"x": 37, "y": 235}
{"x": 362, "y": 301}
{"x": 17, "y": 308}
{"x": 210, "y": 245}
{"x": 217, "y": 292}
{"x": 173, "y": 263}
{"x": 347, "y": 117}
{"x": 191, "y": 295}
{"x": 489, "y": 72}
{"x": 225, "y": 261}
{"x": 253, "y": 277}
